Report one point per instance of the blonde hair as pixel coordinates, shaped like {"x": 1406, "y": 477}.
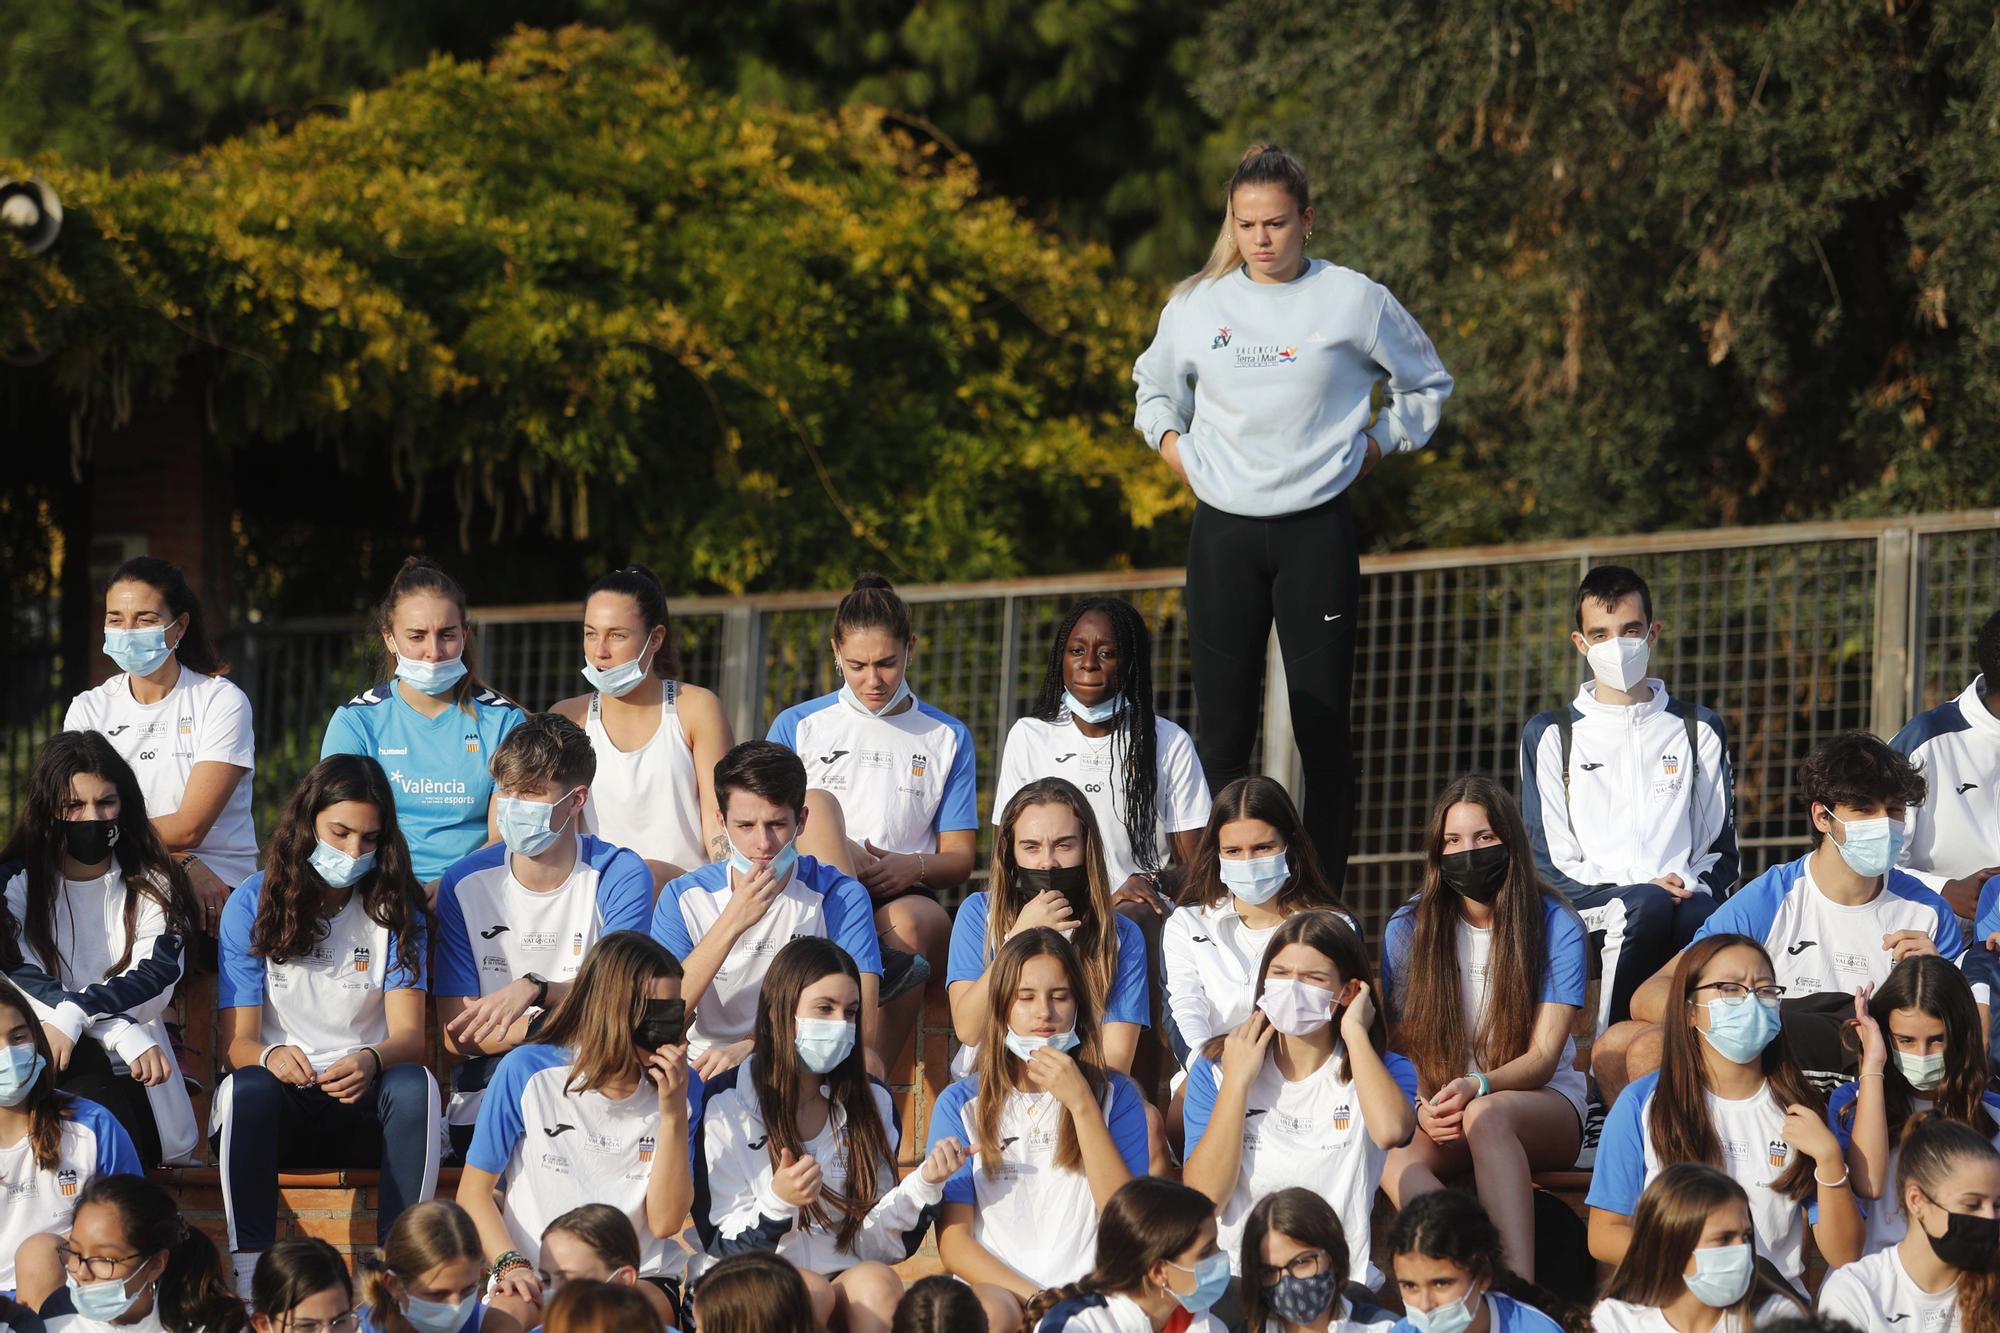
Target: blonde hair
{"x": 1261, "y": 164}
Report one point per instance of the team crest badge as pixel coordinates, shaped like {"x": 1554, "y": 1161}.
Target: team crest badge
{"x": 66, "y": 1182}
{"x": 362, "y": 957}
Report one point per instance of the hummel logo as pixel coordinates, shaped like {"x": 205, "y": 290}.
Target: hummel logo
{"x": 1065, "y": 758}
{"x": 489, "y": 934}
{"x": 757, "y": 1145}
{"x": 127, "y": 726}
{"x": 1801, "y": 947}
{"x": 831, "y": 758}
{"x": 1963, "y": 788}
{"x": 559, "y": 1129}
{"x": 1591, "y": 768}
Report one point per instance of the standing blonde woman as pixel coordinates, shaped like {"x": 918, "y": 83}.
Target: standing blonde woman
{"x": 1258, "y": 391}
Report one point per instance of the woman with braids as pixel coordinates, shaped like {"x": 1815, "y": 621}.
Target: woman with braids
{"x": 657, "y": 737}
{"x": 1922, "y": 1051}
{"x": 131, "y": 1261}
{"x": 432, "y": 719}
{"x": 1295, "y": 1273}
{"x": 1692, "y": 1265}
{"x": 95, "y": 935}
{"x": 1259, "y": 393}
{"x": 1728, "y": 1094}
{"x": 322, "y": 998}
{"x": 1446, "y": 1256}
{"x": 1482, "y": 974}
{"x": 796, "y": 1147}
{"x": 1157, "y": 1264}
{"x": 51, "y": 1145}
{"x": 1945, "y": 1271}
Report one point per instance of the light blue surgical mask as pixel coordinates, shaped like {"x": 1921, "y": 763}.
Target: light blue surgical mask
{"x": 1211, "y": 1279}
{"x": 1722, "y": 1275}
{"x": 853, "y": 700}
{"x": 525, "y": 825}
{"x": 618, "y": 681}
{"x": 20, "y": 1066}
{"x": 429, "y": 677}
{"x": 1093, "y": 713}
{"x": 438, "y": 1316}
{"x": 1872, "y": 845}
{"x": 781, "y": 864}
{"x": 1025, "y": 1047}
{"x": 105, "y": 1302}
{"x": 1453, "y": 1318}
{"x": 1740, "y": 1031}
{"x": 336, "y": 867}
{"x": 1922, "y": 1072}
{"x": 822, "y": 1043}
{"x": 138, "y": 652}
{"x": 1257, "y": 879}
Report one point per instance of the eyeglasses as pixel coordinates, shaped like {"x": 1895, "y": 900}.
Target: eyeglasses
{"x": 1735, "y": 992}
{"x": 340, "y": 1323}
{"x": 100, "y": 1267}
{"x": 1304, "y": 1264}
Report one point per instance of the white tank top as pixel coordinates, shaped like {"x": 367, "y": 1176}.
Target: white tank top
{"x": 647, "y": 799}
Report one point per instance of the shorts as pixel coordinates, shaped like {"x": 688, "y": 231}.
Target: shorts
{"x": 902, "y": 973}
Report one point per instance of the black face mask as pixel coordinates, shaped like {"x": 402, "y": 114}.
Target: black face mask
{"x": 89, "y": 841}
{"x": 664, "y": 1024}
{"x": 1970, "y": 1243}
{"x": 1072, "y": 882}
{"x": 1477, "y": 874}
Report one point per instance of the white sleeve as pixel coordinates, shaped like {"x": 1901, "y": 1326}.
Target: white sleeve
{"x": 1843, "y": 1297}
{"x": 1565, "y": 851}
{"x": 81, "y": 714}
{"x": 227, "y": 736}
{"x": 122, "y": 1037}
{"x": 156, "y": 955}
{"x": 1013, "y": 770}
{"x": 1187, "y": 1000}
{"x": 1166, "y": 399}
{"x": 895, "y": 1226}
{"x": 67, "y": 1016}
{"x": 744, "y": 1213}
{"x": 1183, "y": 795}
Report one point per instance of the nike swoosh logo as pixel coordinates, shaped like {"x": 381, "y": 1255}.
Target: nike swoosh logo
{"x": 559, "y": 1129}
{"x": 1591, "y": 768}
{"x": 1800, "y": 947}
{"x": 1963, "y": 788}
{"x": 489, "y": 934}
{"x": 1334, "y": 616}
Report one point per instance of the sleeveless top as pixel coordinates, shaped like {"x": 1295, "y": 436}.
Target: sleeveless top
{"x": 647, "y": 799}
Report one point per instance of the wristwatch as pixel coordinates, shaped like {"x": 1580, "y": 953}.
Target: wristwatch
{"x": 541, "y": 988}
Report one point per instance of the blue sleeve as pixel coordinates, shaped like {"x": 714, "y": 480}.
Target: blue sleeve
{"x": 1128, "y": 1124}
{"x": 1751, "y": 910}
{"x": 967, "y": 961}
{"x": 1840, "y": 1113}
{"x": 785, "y": 729}
{"x": 960, "y": 808}
{"x": 850, "y": 922}
{"x": 1204, "y": 1082}
{"x": 1619, "y": 1177}
{"x": 668, "y": 927}
{"x": 240, "y": 984}
{"x": 115, "y": 1154}
{"x": 457, "y": 970}
{"x": 500, "y": 1126}
{"x": 510, "y": 718}
{"x": 1950, "y": 941}
{"x": 415, "y": 974}
{"x": 625, "y": 893}
{"x": 1395, "y": 944}
{"x": 1566, "y": 976}
{"x": 948, "y": 1122}
{"x": 1986, "y": 920}
{"x": 1129, "y": 1001}
{"x": 344, "y": 735}
{"x": 1403, "y": 1072}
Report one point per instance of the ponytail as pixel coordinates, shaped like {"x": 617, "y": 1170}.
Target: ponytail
{"x": 872, "y": 603}
{"x": 192, "y": 1295}
{"x": 643, "y": 586}
{"x": 196, "y": 651}
{"x": 1261, "y": 164}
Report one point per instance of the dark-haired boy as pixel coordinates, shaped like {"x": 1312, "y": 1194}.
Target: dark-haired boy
{"x": 1952, "y": 840}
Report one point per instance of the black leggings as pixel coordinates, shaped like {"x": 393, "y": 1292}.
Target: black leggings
{"x": 91, "y": 1076}
{"x": 1303, "y": 571}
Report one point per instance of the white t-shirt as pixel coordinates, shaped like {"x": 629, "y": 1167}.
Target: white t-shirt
{"x": 1038, "y": 749}
{"x": 1877, "y": 1295}
{"x": 1211, "y": 961}
{"x": 35, "y": 1199}
{"x": 1347, "y": 1318}
{"x": 901, "y": 780}
{"x": 203, "y": 719}
{"x": 1609, "y": 1316}
{"x": 1090, "y": 1312}
{"x": 1886, "y": 1221}
{"x": 646, "y": 799}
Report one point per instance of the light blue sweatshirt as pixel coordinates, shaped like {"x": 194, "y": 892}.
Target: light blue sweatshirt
{"x": 1268, "y": 385}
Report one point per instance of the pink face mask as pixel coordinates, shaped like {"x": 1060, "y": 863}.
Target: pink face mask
{"x": 1295, "y": 1008}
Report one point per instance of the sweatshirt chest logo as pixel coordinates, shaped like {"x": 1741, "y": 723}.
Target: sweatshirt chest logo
{"x": 1221, "y": 340}
{"x": 1670, "y": 764}
{"x": 1262, "y": 356}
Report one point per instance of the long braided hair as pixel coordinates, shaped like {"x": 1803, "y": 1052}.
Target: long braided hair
{"x": 1134, "y": 738}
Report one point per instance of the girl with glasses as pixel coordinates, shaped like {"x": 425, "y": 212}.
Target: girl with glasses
{"x": 132, "y": 1261}
{"x": 1295, "y": 1269}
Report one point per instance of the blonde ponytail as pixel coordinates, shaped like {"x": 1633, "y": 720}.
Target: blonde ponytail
{"x": 1261, "y": 164}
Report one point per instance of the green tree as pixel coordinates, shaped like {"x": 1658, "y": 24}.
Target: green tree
{"x": 1692, "y": 262}
{"x": 584, "y": 298}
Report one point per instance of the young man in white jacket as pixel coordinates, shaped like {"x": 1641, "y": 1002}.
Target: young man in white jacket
{"x": 1952, "y": 841}
{"x": 1628, "y": 794}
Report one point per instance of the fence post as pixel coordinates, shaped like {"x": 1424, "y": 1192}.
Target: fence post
{"x": 1895, "y": 574}
{"x": 1003, "y": 712}
{"x": 742, "y": 670}
{"x": 1281, "y": 751}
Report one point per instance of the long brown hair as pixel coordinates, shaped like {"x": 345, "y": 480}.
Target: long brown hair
{"x": 436, "y": 1231}
{"x": 1677, "y": 1118}
{"x": 596, "y": 1020}
{"x": 47, "y": 1106}
{"x": 1000, "y": 1070}
{"x": 755, "y": 1292}
{"x": 1149, "y": 1219}
{"x": 419, "y": 575}
{"x": 150, "y": 875}
{"x": 1095, "y": 939}
{"x": 1306, "y": 1218}
{"x": 1932, "y": 985}
{"x": 1430, "y": 1025}
{"x": 1932, "y": 1146}
{"x": 598, "y": 1307}
{"x": 290, "y": 910}
{"x": 1261, "y": 164}
{"x": 1666, "y": 1229}
{"x": 1332, "y": 936}
{"x": 865, "y": 1140}
{"x": 1264, "y": 799}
